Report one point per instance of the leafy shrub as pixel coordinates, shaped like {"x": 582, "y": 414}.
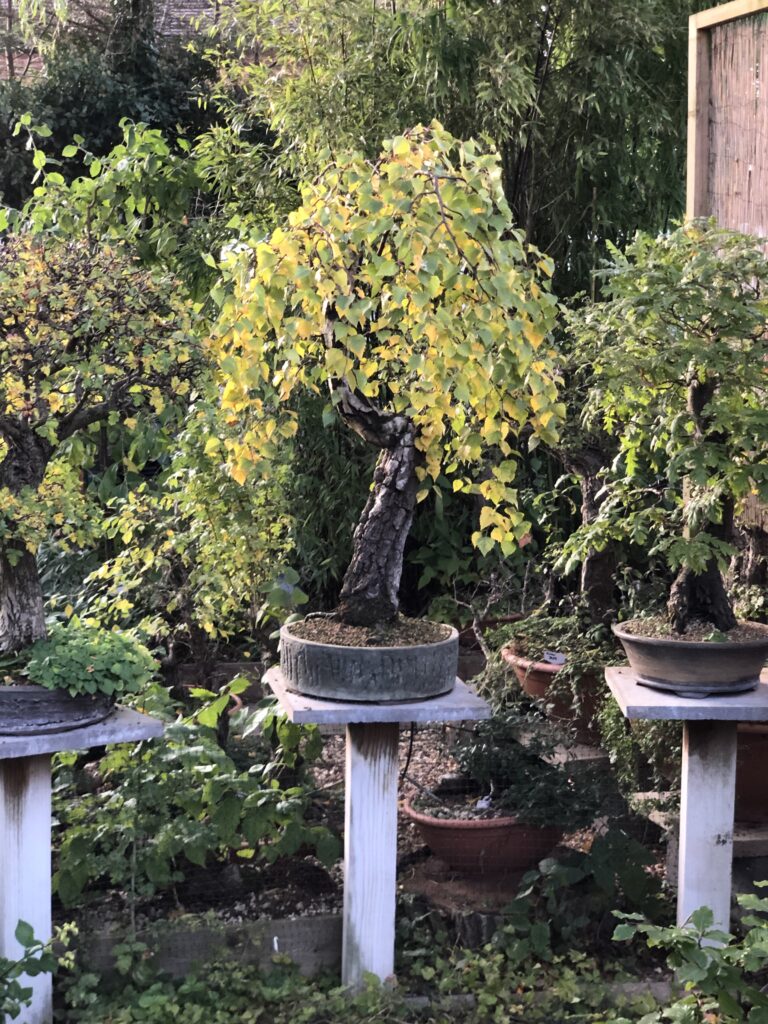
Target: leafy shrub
{"x": 84, "y": 659}
{"x": 180, "y": 801}
{"x": 36, "y": 958}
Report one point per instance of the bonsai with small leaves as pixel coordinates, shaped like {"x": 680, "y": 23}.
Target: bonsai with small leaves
{"x": 88, "y": 338}
{"x": 401, "y": 290}
{"x": 679, "y": 375}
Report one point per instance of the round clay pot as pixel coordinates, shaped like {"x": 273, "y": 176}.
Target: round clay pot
{"x": 751, "y": 776}
{"x": 369, "y": 674}
{"x": 536, "y": 677}
{"x": 692, "y": 668}
{"x": 487, "y": 846}
{"x": 33, "y": 710}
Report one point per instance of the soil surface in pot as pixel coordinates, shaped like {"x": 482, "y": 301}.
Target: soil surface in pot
{"x": 657, "y": 628}
{"x": 460, "y": 808}
{"x": 400, "y": 632}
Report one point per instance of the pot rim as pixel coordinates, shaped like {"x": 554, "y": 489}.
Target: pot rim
{"x": 468, "y": 823}
{"x": 452, "y": 636}
{"x": 517, "y": 660}
{"x": 725, "y": 646}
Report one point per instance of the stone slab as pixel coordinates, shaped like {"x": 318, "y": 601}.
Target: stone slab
{"x": 122, "y": 726}
{"x": 461, "y": 704}
{"x": 638, "y": 701}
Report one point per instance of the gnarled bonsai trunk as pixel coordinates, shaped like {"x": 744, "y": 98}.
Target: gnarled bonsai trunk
{"x": 22, "y": 612}
{"x": 22, "y": 615}
{"x": 700, "y": 596}
{"x": 371, "y": 583}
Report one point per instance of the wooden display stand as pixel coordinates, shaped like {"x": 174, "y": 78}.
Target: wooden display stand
{"x": 370, "y": 820}
{"x": 25, "y": 831}
{"x": 708, "y": 782}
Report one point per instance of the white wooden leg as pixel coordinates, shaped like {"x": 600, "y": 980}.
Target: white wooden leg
{"x": 370, "y": 852}
{"x": 706, "y": 820}
{"x": 25, "y": 867}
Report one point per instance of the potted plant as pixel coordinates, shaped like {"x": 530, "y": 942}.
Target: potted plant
{"x": 560, "y": 660}
{"x": 516, "y": 806}
{"x": 71, "y": 679}
{"x": 89, "y": 341}
{"x": 678, "y": 363}
{"x": 402, "y": 290}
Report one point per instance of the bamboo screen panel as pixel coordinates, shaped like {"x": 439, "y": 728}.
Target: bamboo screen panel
{"x": 738, "y": 124}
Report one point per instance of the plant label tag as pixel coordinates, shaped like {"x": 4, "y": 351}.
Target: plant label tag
{"x": 553, "y": 658}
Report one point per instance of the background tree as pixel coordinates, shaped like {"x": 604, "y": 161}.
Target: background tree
{"x": 87, "y": 338}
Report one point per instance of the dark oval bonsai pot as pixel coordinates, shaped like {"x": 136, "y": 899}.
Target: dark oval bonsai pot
{"x": 485, "y": 846}
{"x": 28, "y": 710}
{"x": 694, "y": 668}
{"x": 369, "y": 674}
{"x": 536, "y": 677}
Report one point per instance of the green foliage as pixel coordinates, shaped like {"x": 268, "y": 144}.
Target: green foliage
{"x": 84, "y": 659}
{"x": 586, "y": 104}
{"x": 36, "y": 958}
{"x": 182, "y": 801}
{"x": 678, "y": 357}
{"x": 723, "y": 976}
{"x": 402, "y": 283}
{"x": 80, "y": 93}
{"x": 507, "y": 755}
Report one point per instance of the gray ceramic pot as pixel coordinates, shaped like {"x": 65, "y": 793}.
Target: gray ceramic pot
{"x": 369, "y": 674}
{"x": 695, "y": 669}
{"x": 33, "y": 710}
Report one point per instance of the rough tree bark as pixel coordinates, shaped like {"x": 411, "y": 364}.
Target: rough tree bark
{"x": 702, "y": 595}
{"x": 369, "y": 593}
{"x": 22, "y": 614}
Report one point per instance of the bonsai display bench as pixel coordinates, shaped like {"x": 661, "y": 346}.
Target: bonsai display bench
{"x": 708, "y": 782}
{"x": 370, "y": 817}
{"x": 25, "y": 833}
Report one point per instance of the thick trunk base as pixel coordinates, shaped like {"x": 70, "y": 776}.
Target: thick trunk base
{"x": 700, "y": 596}
{"x": 22, "y": 613}
{"x": 369, "y": 593}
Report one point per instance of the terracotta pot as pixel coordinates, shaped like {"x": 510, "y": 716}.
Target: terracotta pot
{"x": 490, "y": 846}
{"x": 536, "y": 677}
{"x": 695, "y": 668}
{"x": 751, "y": 774}
{"x": 28, "y": 710}
{"x": 369, "y": 674}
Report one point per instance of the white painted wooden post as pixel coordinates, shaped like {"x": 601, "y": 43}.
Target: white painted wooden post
{"x": 25, "y": 868}
{"x": 370, "y": 852}
{"x": 25, "y": 833}
{"x": 706, "y": 820}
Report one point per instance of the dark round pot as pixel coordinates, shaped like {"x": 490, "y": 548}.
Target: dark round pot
{"x": 536, "y": 677}
{"x": 487, "y": 846}
{"x": 692, "y": 668}
{"x": 33, "y": 710}
{"x": 369, "y": 674}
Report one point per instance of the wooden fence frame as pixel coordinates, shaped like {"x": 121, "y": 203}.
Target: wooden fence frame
{"x": 696, "y": 204}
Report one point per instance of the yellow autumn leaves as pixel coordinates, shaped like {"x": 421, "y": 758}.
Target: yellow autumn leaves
{"x": 405, "y": 281}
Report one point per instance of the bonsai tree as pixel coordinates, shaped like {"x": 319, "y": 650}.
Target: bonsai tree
{"x": 87, "y": 338}
{"x": 677, "y": 356}
{"x": 401, "y": 290}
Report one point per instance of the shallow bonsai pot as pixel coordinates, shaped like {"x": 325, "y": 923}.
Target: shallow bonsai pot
{"x": 369, "y": 674}
{"x": 536, "y": 677}
{"x": 486, "y": 846}
{"x": 33, "y": 710}
{"x": 692, "y": 668}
